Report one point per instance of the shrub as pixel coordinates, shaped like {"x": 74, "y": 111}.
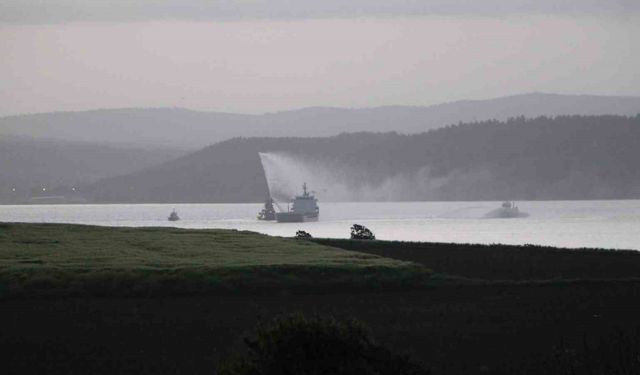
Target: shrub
{"x": 360, "y": 232}
{"x": 294, "y": 344}
{"x": 302, "y": 235}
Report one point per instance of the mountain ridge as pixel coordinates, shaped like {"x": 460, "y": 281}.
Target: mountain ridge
{"x": 190, "y": 129}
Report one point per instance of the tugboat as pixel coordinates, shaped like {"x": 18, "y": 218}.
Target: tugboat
{"x": 268, "y": 213}
{"x": 506, "y": 211}
{"x": 174, "y": 216}
{"x": 304, "y": 208}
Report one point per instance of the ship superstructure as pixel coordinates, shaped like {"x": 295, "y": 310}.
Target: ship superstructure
{"x": 303, "y": 208}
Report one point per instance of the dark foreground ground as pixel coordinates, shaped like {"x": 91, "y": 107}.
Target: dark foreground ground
{"x": 554, "y": 306}
{"x": 453, "y": 330}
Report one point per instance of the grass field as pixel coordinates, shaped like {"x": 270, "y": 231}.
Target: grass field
{"x": 76, "y": 259}
{"x": 507, "y": 310}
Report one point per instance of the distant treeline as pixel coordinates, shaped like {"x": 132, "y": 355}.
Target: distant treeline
{"x": 566, "y": 157}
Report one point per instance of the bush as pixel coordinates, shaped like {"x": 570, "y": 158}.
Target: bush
{"x": 302, "y": 235}
{"x": 360, "y": 232}
{"x": 294, "y": 344}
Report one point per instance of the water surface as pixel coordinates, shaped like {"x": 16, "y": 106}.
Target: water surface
{"x": 604, "y": 224}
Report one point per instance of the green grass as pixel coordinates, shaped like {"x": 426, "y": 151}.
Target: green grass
{"x": 59, "y": 259}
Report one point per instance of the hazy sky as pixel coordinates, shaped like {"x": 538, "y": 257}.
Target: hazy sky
{"x": 255, "y": 56}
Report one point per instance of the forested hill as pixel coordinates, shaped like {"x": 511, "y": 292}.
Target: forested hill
{"x": 28, "y": 166}
{"x": 570, "y": 157}
{"x": 181, "y": 128}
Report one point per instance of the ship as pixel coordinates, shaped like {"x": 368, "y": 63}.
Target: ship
{"x": 304, "y": 208}
{"x": 506, "y": 211}
{"x": 268, "y": 213}
{"x": 174, "y": 216}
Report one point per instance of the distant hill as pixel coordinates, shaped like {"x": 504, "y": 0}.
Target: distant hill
{"x": 30, "y": 165}
{"x": 567, "y": 157}
{"x": 181, "y": 128}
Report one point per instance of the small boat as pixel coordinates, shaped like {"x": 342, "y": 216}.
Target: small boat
{"x": 506, "y": 211}
{"x": 304, "y": 208}
{"x": 174, "y": 216}
{"x": 268, "y": 213}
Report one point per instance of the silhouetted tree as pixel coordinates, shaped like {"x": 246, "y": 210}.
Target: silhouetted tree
{"x": 360, "y": 232}
{"x": 297, "y": 345}
{"x": 302, "y": 235}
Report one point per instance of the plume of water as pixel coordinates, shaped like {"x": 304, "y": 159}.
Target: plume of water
{"x": 333, "y": 181}
{"x": 263, "y": 156}
{"x": 285, "y": 176}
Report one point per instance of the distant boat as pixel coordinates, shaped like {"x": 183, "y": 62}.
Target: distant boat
{"x": 174, "y": 216}
{"x": 268, "y": 213}
{"x": 304, "y": 208}
{"x": 506, "y": 211}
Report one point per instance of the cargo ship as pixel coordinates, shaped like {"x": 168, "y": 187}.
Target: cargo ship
{"x": 303, "y": 208}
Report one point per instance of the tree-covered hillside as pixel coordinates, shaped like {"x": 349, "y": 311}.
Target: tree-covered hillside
{"x": 27, "y": 166}
{"x": 567, "y": 157}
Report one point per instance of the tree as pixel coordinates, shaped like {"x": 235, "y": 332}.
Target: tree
{"x": 294, "y": 344}
{"x": 302, "y": 235}
{"x": 360, "y": 232}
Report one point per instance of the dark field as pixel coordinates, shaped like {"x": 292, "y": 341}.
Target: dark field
{"x": 504, "y": 262}
{"x": 453, "y": 330}
{"x": 473, "y": 327}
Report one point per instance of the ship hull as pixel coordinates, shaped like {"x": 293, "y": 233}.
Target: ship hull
{"x": 266, "y": 216}
{"x": 505, "y": 213}
{"x": 293, "y": 217}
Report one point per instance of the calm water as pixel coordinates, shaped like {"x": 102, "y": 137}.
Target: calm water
{"x": 607, "y": 224}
